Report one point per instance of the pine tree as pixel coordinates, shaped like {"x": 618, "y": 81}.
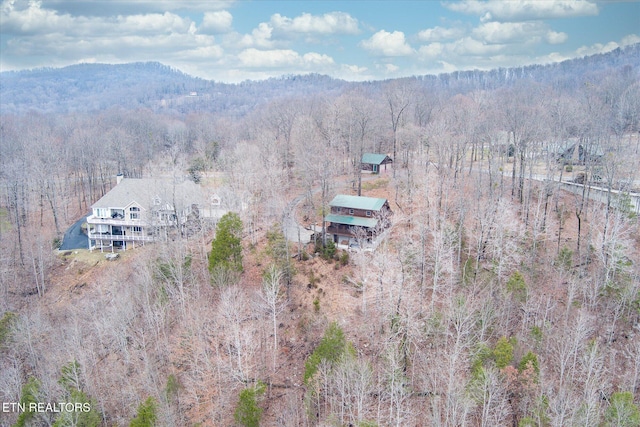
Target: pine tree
{"x": 248, "y": 412}
{"x": 226, "y": 248}
{"x": 147, "y": 414}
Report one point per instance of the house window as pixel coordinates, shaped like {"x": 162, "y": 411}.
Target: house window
{"x": 134, "y": 212}
{"x": 156, "y": 201}
{"x": 136, "y": 229}
{"x": 368, "y": 213}
{"x": 101, "y": 213}
{"x": 350, "y": 211}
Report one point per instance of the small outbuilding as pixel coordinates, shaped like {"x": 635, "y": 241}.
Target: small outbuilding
{"x": 372, "y": 162}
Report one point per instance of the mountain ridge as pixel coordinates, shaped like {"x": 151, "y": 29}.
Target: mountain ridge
{"x": 90, "y": 87}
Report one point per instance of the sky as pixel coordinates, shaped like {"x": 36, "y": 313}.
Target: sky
{"x": 355, "y": 40}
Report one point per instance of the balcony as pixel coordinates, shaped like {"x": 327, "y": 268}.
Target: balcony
{"x": 136, "y": 237}
{"x": 117, "y": 221}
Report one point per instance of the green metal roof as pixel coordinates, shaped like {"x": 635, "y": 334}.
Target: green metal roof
{"x": 352, "y": 220}
{"x": 358, "y": 202}
{"x": 373, "y": 159}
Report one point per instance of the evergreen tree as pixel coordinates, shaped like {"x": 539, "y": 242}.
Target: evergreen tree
{"x": 89, "y": 416}
{"x": 622, "y": 412}
{"x": 30, "y": 395}
{"x": 503, "y": 353}
{"x": 248, "y": 412}
{"x": 331, "y": 348}
{"x": 226, "y": 248}
{"x": 147, "y": 414}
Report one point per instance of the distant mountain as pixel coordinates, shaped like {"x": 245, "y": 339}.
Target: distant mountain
{"x": 151, "y": 85}
{"x": 91, "y": 87}
{"x": 569, "y": 74}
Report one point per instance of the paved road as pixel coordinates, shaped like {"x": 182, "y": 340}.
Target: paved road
{"x": 291, "y": 229}
{"x": 74, "y": 238}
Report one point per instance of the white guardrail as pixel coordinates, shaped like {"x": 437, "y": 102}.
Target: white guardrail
{"x": 601, "y": 194}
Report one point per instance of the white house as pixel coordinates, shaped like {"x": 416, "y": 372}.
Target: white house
{"x": 137, "y": 211}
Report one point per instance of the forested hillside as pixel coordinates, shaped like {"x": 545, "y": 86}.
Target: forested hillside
{"x": 506, "y": 291}
{"x": 97, "y": 87}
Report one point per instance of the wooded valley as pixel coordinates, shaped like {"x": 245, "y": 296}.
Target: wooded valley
{"x": 505, "y": 292}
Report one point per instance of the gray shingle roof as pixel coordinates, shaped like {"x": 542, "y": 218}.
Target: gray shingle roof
{"x": 143, "y": 191}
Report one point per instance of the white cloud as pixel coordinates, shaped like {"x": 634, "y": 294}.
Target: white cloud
{"x": 132, "y": 7}
{"x": 152, "y": 24}
{"x": 517, "y": 32}
{"x": 596, "y": 48}
{"x": 355, "y": 69}
{"x": 388, "y": 44}
{"x": 438, "y": 34}
{"x": 17, "y": 19}
{"x": 329, "y": 23}
{"x": 471, "y": 46}
{"x": 553, "y": 37}
{"x": 605, "y": 47}
{"x": 255, "y": 58}
{"x": 203, "y": 53}
{"x": 259, "y": 37}
{"x": 36, "y": 20}
{"x": 630, "y": 39}
{"x": 282, "y": 58}
{"x": 216, "y": 22}
{"x": 391, "y": 68}
{"x": 36, "y": 32}
{"x": 431, "y": 50}
{"x": 523, "y": 10}
{"x": 313, "y": 59}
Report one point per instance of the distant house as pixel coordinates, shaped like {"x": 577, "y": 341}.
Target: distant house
{"x": 349, "y": 214}
{"x": 576, "y": 153}
{"x": 137, "y": 211}
{"x": 372, "y": 162}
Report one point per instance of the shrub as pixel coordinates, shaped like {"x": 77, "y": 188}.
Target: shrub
{"x": 503, "y": 353}
{"x": 248, "y": 413}
{"x": 329, "y": 250}
{"x": 530, "y": 360}
{"x": 84, "y": 418}
{"x": 622, "y": 411}
{"x": 344, "y": 258}
{"x": 331, "y": 347}
{"x": 172, "y": 387}
{"x": 198, "y": 165}
{"x": 517, "y": 287}
{"x": 70, "y": 381}
{"x": 57, "y": 242}
{"x": 536, "y": 334}
{"x": 6, "y": 326}
{"x": 30, "y": 395}
{"x": 279, "y": 250}
{"x": 482, "y": 354}
{"x": 146, "y": 415}
{"x": 565, "y": 258}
